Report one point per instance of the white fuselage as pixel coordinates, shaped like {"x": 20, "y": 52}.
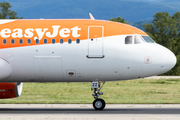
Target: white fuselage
{"x": 69, "y": 62}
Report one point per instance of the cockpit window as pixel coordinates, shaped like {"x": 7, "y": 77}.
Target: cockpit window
{"x": 134, "y": 39}
{"x": 148, "y": 39}
{"x": 129, "y": 40}
{"x": 137, "y": 39}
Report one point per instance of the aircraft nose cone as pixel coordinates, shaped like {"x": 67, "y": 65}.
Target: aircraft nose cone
{"x": 168, "y": 60}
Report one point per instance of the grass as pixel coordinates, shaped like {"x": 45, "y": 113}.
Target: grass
{"x": 144, "y": 91}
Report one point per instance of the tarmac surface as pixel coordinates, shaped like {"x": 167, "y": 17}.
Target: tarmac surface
{"x": 86, "y": 112}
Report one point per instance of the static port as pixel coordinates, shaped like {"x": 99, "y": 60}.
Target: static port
{"x": 71, "y": 73}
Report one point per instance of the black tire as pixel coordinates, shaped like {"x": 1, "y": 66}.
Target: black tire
{"x": 99, "y": 104}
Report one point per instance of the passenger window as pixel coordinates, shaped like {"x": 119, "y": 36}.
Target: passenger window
{"x": 20, "y": 41}
{"x": 78, "y": 41}
{"x": 37, "y": 41}
{"x": 29, "y": 41}
{"x": 61, "y": 41}
{"x": 69, "y": 41}
{"x": 4, "y": 41}
{"x": 129, "y": 40}
{"x": 12, "y": 41}
{"x": 45, "y": 41}
{"x": 53, "y": 41}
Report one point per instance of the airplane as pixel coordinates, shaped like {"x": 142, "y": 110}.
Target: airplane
{"x": 76, "y": 50}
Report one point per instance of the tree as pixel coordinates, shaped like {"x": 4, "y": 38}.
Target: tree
{"x": 119, "y": 19}
{"x": 165, "y": 30}
{"x": 6, "y": 13}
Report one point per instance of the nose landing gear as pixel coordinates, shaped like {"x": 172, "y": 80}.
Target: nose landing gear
{"x": 98, "y": 104}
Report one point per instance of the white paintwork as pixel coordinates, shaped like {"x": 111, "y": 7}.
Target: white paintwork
{"x": 53, "y": 62}
{"x": 48, "y": 67}
{"x": 95, "y": 45}
{"x": 91, "y": 16}
{"x": 5, "y": 21}
{"x": 5, "y": 69}
{"x": 18, "y": 89}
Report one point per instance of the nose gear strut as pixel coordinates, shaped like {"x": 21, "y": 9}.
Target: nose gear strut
{"x": 98, "y": 104}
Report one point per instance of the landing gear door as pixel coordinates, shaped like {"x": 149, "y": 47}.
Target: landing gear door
{"x": 95, "y": 41}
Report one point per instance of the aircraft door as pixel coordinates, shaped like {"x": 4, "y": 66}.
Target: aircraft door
{"x": 95, "y": 41}
{"x": 48, "y": 68}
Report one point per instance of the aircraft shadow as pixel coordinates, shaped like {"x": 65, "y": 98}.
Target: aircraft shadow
{"x": 89, "y": 111}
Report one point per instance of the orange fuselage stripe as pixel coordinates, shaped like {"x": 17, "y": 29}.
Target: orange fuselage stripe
{"x": 58, "y": 29}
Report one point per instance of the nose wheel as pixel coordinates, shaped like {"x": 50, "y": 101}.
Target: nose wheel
{"x": 98, "y": 104}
